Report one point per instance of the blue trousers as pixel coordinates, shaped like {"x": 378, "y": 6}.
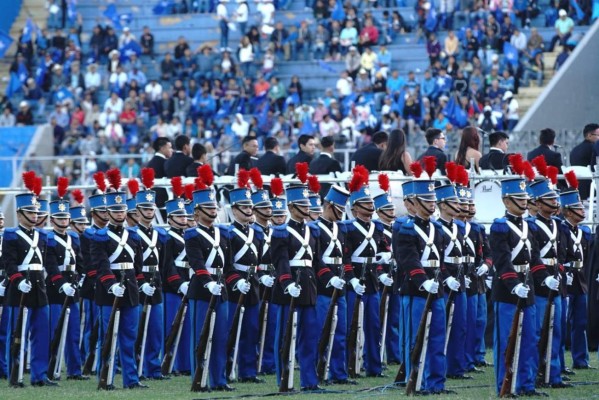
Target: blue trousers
{"x": 577, "y": 317}
{"x": 218, "y": 356}
{"x": 37, "y": 327}
{"x": 247, "y": 357}
{"x": 172, "y": 302}
{"x": 481, "y": 326}
{"x": 92, "y": 313}
{"x": 268, "y": 356}
{"x": 471, "y": 346}
{"x": 527, "y": 367}
{"x": 307, "y": 343}
{"x": 564, "y": 327}
{"x": 393, "y": 346}
{"x": 434, "y": 363}
{"x": 72, "y": 353}
{"x": 456, "y": 359}
{"x": 154, "y": 341}
{"x": 338, "y": 363}
{"x": 129, "y": 320}
{"x": 541, "y": 303}
{"x": 4, "y": 341}
{"x": 372, "y": 330}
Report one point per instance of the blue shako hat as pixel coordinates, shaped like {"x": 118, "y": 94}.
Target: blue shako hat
{"x": 570, "y": 199}
{"x": 116, "y": 201}
{"x": 261, "y": 198}
{"x": 407, "y": 188}
{"x": 279, "y": 206}
{"x": 446, "y": 193}
{"x": 240, "y": 197}
{"x": 337, "y": 196}
{"x": 60, "y": 209}
{"x": 315, "y": 203}
{"x": 145, "y": 199}
{"x": 189, "y": 209}
{"x": 27, "y": 202}
{"x": 464, "y": 194}
{"x": 424, "y": 189}
{"x": 97, "y": 202}
{"x": 176, "y": 207}
{"x": 44, "y": 208}
{"x": 131, "y": 204}
{"x": 542, "y": 188}
{"x": 204, "y": 198}
{"x": 361, "y": 195}
{"x": 382, "y": 202}
{"x": 78, "y": 214}
{"x": 514, "y": 187}
{"x": 298, "y": 194}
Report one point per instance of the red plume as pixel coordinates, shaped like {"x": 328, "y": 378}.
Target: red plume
{"x": 552, "y": 174}
{"x": 361, "y": 170}
{"x": 416, "y": 169}
{"x": 62, "y": 185}
{"x": 177, "y": 184}
{"x": 206, "y": 174}
{"x": 430, "y": 165}
{"x": 243, "y": 177}
{"x": 147, "y": 177}
{"x": 133, "y": 186}
{"x": 517, "y": 163}
{"x": 540, "y": 164}
{"x": 200, "y": 185}
{"x": 451, "y": 170}
{"x": 189, "y": 188}
{"x": 114, "y": 177}
{"x": 256, "y": 177}
{"x": 37, "y": 187}
{"x": 301, "y": 169}
{"x": 29, "y": 179}
{"x": 384, "y": 182}
{"x": 529, "y": 173}
{"x": 313, "y": 184}
{"x": 78, "y": 196}
{"x": 100, "y": 180}
{"x": 276, "y": 187}
{"x": 571, "y": 179}
{"x": 358, "y": 179}
{"x": 463, "y": 177}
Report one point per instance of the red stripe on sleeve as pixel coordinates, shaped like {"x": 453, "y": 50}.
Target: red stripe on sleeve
{"x": 284, "y": 277}
{"x": 200, "y": 272}
{"x": 232, "y": 278}
{"x": 537, "y": 268}
{"x": 417, "y": 271}
{"x": 348, "y": 268}
{"x": 56, "y": 277}
{"x": 323, "y": 271}
{"x": 16, "y": 276}
{"x": 173, "y": 278}
{"x": 107, "y": 277}
{"x": 92, "y": 273}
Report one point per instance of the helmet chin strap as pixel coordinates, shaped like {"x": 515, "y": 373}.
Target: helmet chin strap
{"x": 455, "y": 209}
{"x": 371, "y": 210}
{"x": 265, "y": 216}
{"x": 572, "y": 210}
{"x": 337, "y": 213}
{"x": 386, "y": 215}
{"x": 552, "y": 207}
{"x": 55, "y": 222}
{"x": 421, "y": 203}
{"x": 299, "y": 210}
{"x": 99, "y": 217}
{"x": 170, "y": 218}
{"x": 27, "y": 218}
{"x": 243, "y": 212}
{"x": 213, "y": 217}
{"x": 518, "y": 206}
{"x": 133, "y": 218}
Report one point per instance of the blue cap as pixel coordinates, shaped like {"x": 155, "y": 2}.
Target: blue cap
{"x": 44, "y": 207}
{"x": 424, "y": 189}
{"x": 514, "y": 187}
{"x": 27, "y": 202}
{"x": 146, "y": 199}
{"x": 383, "y": 202}
{"x": 362, "y": 195}
{"x": 131, "y": 204}
{"x": 279, "y": 206}
{"x": 315, "y": 203}
{"x": 464, "y": 193}
{"x": 176, "y": 207}
{"x": 78, "y": 214}
{"x": 116, "y": 201}
{"x": 189, "y": 209}
{"x": 261, "y": 199}
{"x": 446, "y": 193}
{"x": 542, "y": 188}
{"x": 97, "y": 202}
{"x": 204, "y": 198}
{"x": 337, "y": 196}
{"x": 298, "y": 194}
{"x": 408, "y": 189}
{"x": 60, "y": 209}
{"x": 570, "y": 199}
{"x": 240, "y": 197}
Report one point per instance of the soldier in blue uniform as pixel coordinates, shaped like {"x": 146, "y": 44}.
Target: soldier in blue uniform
{"x": 116, "y": 255}
{"x": 132, "y": 212}
{"x": 333, "y": 271}
{"x": 517, "y": 265}
{"x": 63, "y": 252}
{"x": 209, "y": 256}
{"x": 294, "y": 251}
{"x": 42, "y": 214}
{"x": 315, "y": 209}
{"x": 3, "y": 315}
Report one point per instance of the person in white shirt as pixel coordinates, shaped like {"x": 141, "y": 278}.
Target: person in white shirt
{"x": 242, "y": 15}
{"x": 267, "y": 12}
{"x": 126, "y": 37}
{"x": 344, "y": 85}
{"x": 92, "y": 78}
{"x": 518, "y": 40}
{"x": 511, "y": 110}
{"x": 115, "y": 103}
{"x": 328, "y": 126}
{"x": 114, "y": 131}
{"x": 154, "y": 90}
{"x": 223, "y": 19}
{"x": 118, "y": 78}
{"x": 240, "y": 126}
{"x": 174, "y": 128}
{"x": 7, "y": 119}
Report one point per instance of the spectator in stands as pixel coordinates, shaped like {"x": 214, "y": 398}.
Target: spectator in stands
{"x": 535, "y": 43}
{"x": 32, "y": 91}
{"x": 433, "y": 48}
{"x": 177, "y": 163}
{"x": 328, "y": 127}
{"x": 344, "y": 85}
{"x": 114, "y": 132}
{"x": 470, "y": 45}
{"x": 451, "y": 45}
{"x": 92, "y": 79}
{"x": 496, "y": 159}
{"x": 469, "y": 149}
{"x": 167, "y": 67}
{"x": 369, "y": 155}
{"x": 562, "y": 57}
{"x": 279, "y": 41}
{"x": 506, "y": 31}
{"x": 321, "y": 40}
{"x": 109, "y": 43}
{"x": 114, "y": 102}
{"x": 199, "y": 155}
{"x": 126, "y": 37}
{"x": 487, "y": 121}
{"x": 271, "y": 163}
{"x": 518, "y": 40}
{"x": 511, "y": 110}
{"x": 352, "y": 61}
{"x": 546, "y": 142}
{"x": 348, "y": 37}
{"x": 130, "y": 169}
{"x": 7, "y": 119}
{"x": 166, "y": 106}
{"x": 307, "y": 147}
{"x": 303, "y": 42}
{"x": 395, "y": 157}
{"x": 437, "y": 141}
{"x": 61, "y": 115}
{"x": 441, "y": 122}
{"x": 363, "y": 83}
{"x": 153, "y": 90}
{"x": 242, "y": 15}
{"x": 277, "y": 94}
{"x": 247, "y": 157}
{"x": 564, "y": 27}
{"x": 117, "y": 80}
{"x": 240, "y": 127}
{"x": 146, "y": 42}
{"x": 369, "y": 35}
{"x": 368, "y": 60}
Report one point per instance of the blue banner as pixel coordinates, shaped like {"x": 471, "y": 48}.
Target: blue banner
{"x": 5, "y": 42}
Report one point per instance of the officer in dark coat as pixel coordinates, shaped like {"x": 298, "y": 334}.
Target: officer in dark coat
{"x": 325, "y": 163}
{"x": 369, "y": 155}
{"x": 247, "y": 157}
{"x": 271, "y": 163}
{"x": 584, "y": 155}
{"x": 163, "y": 151}
{"x": 305, "y": 154}
{"x": 177, "y": 164}
{"x": 496, "y": 158}
{"x": 547, "y": 140}
{"x": 4, "y": 317}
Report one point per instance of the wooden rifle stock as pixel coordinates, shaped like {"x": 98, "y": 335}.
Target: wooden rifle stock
{"x": 449, "y": 310}
{"x": 384, "y": 308}
{"x": 234, "y": 333}
{"x": 354, "y": 333}
{"x": 169, "y": 349}
{"x": 18, "y": 346}
{"x": 93, "y": 342}
{"x": 287, "y": 358}
{"x": 325, "y": 336}
{"x": 263, "y": 318}
{"x": 55, "y": 345}
{"x": 107, "y": 344}
{"x": 142, "y": 329}
{"x": 546, "y": 336}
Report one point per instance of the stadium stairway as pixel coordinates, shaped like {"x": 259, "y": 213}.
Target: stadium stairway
{"x": 528, "y": 95}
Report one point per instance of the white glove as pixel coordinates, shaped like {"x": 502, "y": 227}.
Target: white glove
{"x": 521, "y": 291}
{"x": 117, "y": 290}
{"x": 358, "y": 288}
{"x": 243, "y": 286}
{"x": 337, "y": 283}
{"x": 294, "y": 290}
{"x": 267, "y": 280}
{"x": 67, "y": 289}
{"x": 386, "y": 280}
{"x": 384, "y": 258}
{"x": 25, "y": 286}
{"x": 2, "y": 288}
{"x": 184, "y": 288}
{"x": 489, "y": 282}
{"x": 81, "y": 281}
{"x": 214, "y": 288}
{"x": 570, "y": 278}
{"x": 551, "y": 283}
{"x": 467, "y": 281}
{"x": 431, "y": 286}
{"x": 148, "y": 289}
{"x": 483, "y": 269}
{"x": 452, "y": 283}
{"x": 597, "y": 279}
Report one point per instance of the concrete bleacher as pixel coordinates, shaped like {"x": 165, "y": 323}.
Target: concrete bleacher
{"x": 14, "y": 144}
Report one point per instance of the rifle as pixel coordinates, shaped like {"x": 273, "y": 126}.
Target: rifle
{"x": 287, "y": 351}
{"x": 93, "y": 342}
{"x": 171, "y": 345}
{"x": 108, "y": 351}
{"x": 354, "y": 347}
{"x": 59, "y": 339}
{"x": 204, "y": 347}
{"x": 19, "y": 336}
{"x": 142, "y": 330}
{"x": 512, "y": 350}
{"x": 546, "y": 337}
{"x": 449, "y": 311}
{"x": 327, "y": 336}
{"x": 418, "y": 353}
{"x": 263, "y": 317}
{"x": 235, "y": 332}
{"x": 81, "y": 321}
{"x": 384, "y": 309}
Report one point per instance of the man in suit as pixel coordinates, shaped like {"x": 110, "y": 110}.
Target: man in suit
{"x": 584, "y": 154}
{"x": 199, "y": 155}
{"x": 436, "y": 140}
{"x": 271, "y": 162}
{"x": 369, "y": 155}
{"x": 306, "y": 153}
{"x": 325, "y": 163}
{"x": 163, "y": 151}
{"x": 496, "y": 158}
{"x": 178, "y": 162}
{"x": 546, "y": 140}
{"x": 247, "y": 157}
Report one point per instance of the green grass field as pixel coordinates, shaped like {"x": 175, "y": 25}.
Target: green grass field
{"x": 481, "y": 387}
